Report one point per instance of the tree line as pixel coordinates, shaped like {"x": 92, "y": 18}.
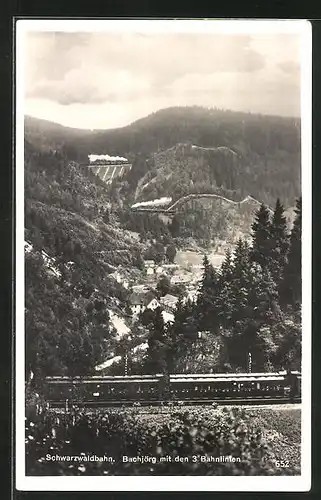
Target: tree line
{"x": 248, "y": 311}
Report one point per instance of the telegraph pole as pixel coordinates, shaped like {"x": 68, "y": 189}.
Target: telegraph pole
{"x": 126, "y": 364}
{"x": 249, "y": 363}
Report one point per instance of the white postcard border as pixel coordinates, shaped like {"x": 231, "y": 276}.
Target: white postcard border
{"x": 169, "y": 483}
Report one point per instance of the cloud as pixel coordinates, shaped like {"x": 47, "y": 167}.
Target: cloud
{"x": 291, "y": 67}
{"x": 75, "y": 76}
{"x": 90, "y": 86}
{"x": 98, "y": 67}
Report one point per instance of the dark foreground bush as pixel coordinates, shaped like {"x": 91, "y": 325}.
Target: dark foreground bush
{"x": 182, "y": 442}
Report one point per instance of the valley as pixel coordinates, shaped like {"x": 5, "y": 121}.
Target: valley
{"x": 190, "y": 258}
{"x": 127, "y": 245}
{"x": 159, "y": 167}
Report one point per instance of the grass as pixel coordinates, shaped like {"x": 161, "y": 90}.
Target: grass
{"x": 266, "y": 441}
{"x": 283, "y": 429}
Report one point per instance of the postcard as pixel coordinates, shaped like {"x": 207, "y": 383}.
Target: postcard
{"x": 163, "y": 255}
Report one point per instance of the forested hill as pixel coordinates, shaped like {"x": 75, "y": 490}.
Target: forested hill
{"x": 167, "y": 127}
{"x": 45, "y": 135}
{"x": 235, "y": 174}
{"x": 68, "y": 222}
{"x": 235, "y": 153}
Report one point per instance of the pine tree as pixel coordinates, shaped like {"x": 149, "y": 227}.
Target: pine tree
{"x": 157, "y": 345}
{"x": 170, "y": 253}
{"x": 255, "y": 307}
{"x": 163, "y": 286}
{"x": 182, "y": 336}
{"x": 175, "y": 227}
{"x": 226, "y": 268}
{"x": 224, "y": 292}
{"x": 240, "y": 283}
{"x": 234, "y": 305}
{"x": 176, "y": 334}
{"x": 208, "y": 274}
{"x": 291, "y": 286}
{"x": 261, "y": 236}
{"x": 247, "y": 302}
{"x": 279, "y": 243}
{"x": 207, "y": 298}
{"x": 264, "y": 313}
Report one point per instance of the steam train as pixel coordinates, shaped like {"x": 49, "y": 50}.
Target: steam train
{"x": 146, "y": 389}
{"x": 99, "y": 163}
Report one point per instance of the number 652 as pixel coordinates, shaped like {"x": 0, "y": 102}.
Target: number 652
{"x": 282, "y": 463}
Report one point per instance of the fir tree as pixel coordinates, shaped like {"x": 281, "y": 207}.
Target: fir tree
{"x": 163, "y": 286}
{"x": 170, "y": 253}
{"x": 226, "y": 268}
{"x": 234, "y": 309}
{"x": 157, "y": 345}
{"x": 175, "y": 227}
{"x": 264, "y": 312}
{"x": 224, "y": 302}
{"x": 240, "y": 283}
{"x": 279, "y": 243}
{"x": 176, "y": 333}
{"x": 291, "y": 286}
{"x": 261, "y": 235}
{"x": 207, "y": 298}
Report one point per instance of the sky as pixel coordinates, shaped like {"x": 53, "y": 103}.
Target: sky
{"x": 110, "y": 79}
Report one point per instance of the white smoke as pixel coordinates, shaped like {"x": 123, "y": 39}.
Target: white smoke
{"x": 108, "y": 363}
{"x": 153, "y": 203}
{"x": 141, "y": 347}
{"x": 93, "y": 158}
{"x": 218, "y": 148}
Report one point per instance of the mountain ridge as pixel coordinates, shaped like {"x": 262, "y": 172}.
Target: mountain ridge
{"x": 183, "y": 150}
{"x": 165, "y": 128}
{"x": 33, "y": 119}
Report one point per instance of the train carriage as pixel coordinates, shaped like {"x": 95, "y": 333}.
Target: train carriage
{"x": 182, "y": 387}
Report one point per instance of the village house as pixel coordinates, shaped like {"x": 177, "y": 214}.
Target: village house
{"x": 171, "y": 266}
{"x": 170, "y": 269}
{"x": 137, "y": 303}
{"x": 169, "y": 302}
{"x": 180, "y": 279}
{"x": 149, "y": 266}
{"x": 153, "y": 304}
{"x": 159, "y": 270}
{"x": 141, "y": 301}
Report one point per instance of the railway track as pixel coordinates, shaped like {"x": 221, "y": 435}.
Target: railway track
{"x": 191, "y": 402}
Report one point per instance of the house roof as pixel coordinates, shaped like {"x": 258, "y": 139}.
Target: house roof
{"x": 149, "y": 297}
{"x": 180, "y": 278}
{"x": 169, "y": 299}
{"x": 140, "y": 288}
{"x": 136, "y": 299}
{"x": 150, "y": 301}
{"x": 141, "y": 298}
